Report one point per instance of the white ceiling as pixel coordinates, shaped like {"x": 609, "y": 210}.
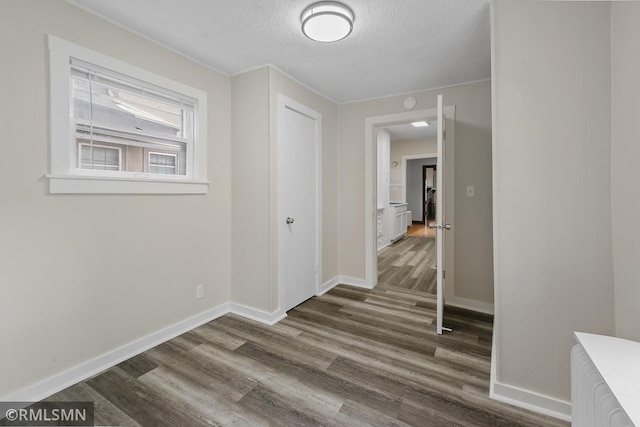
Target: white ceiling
{"x": 397, "y": 46}
{"x": 407, "y": 131}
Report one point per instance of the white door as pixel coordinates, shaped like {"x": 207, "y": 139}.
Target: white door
{"x": 441, "y": 225}
{"x": 298, "y": 202}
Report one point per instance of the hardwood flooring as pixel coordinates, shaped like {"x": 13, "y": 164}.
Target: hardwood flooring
{"x": 350, "y": 357}
{"x": 409, "y": 263}
{"x": 420, "y": 230}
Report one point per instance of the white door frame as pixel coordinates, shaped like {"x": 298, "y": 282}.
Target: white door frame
{"x": 283, "y": 103}
{"x": 403, "y": 170}
{"x": 370, "y": 206}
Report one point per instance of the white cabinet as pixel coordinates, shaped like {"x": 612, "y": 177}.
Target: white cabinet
{"x": 385, "y": 213}
{"x": 399, "y": 221}
{"x": 381, "y": 229}
{"x": 383, "y": 167}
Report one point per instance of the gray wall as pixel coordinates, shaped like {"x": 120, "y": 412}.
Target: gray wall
{"x": 251, "y": 221}
{"x": 67, "y": 295}
{"x": 625, "y": 152}
{"x": 414, "y": 186}
{"x": 406, "y": 148}
{"x": 281, "y": 83}
{"x": 70, "y": 296}
{"x": 552, "y": 178}
{"x": 472, "y": 161}
{"x": 255, "y": 191}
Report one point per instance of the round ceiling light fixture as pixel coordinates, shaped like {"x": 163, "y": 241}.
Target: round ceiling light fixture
{"x": 327, "y": 21}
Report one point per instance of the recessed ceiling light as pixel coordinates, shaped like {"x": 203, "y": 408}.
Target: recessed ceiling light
{"x": 419, "y": 124}
{"x": 327, "y": 21}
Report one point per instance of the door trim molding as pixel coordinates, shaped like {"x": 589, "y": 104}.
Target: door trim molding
{"x": 403, "y": 169}
{"x": 283, "y": 103}
{"x": 370, "y": 206}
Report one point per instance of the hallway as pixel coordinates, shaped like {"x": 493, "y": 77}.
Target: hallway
{"x": 409, "y": 264}
{"x": 420, "y": 230}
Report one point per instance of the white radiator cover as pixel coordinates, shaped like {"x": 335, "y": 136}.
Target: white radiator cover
{"x": 604, "y": 387}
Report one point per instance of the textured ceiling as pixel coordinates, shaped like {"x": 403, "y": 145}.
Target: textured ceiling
{"x": 397, "y": 46}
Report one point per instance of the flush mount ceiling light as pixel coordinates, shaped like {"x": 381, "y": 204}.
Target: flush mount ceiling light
{"x": 327, "y": 21}
{"x": 419, "y": 124}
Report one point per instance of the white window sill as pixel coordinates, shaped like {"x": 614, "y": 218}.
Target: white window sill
{"x": 81, "y": 184}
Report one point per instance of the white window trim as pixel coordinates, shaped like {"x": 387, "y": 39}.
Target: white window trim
{"x": 63, "y": 175}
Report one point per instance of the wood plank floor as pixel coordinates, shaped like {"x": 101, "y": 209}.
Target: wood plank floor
{"x": 350, "y": 357}
{"x": 420, "y": 230}
{"x": 409, "y": 263}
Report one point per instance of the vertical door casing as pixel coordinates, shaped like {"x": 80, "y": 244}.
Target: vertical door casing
{"x": 299, "y": 202}
{"x": 440, "y": 262}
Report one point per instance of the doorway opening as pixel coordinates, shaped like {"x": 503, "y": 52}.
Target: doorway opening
{"x": 372, "y": 127}
{"x": 445, "y": 116}
{"x": 429, "y": 202}
{"x": 406, "y": 256}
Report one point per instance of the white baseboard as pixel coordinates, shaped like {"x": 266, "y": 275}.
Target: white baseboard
{"x": 343, "y": 280}
{"x": 352, "y": 281}
{"x": 470, "y": 304}
{"x": 327, "y": 286}
{"x": 384, "y": 246}
{"x": 81, "y": 372}
{"x": 257, "y": 315}
{"x": 531, "y": 400}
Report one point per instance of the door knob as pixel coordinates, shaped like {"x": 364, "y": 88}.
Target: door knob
{"x": 289, "y": 220}
{"x": 438, "y": 226}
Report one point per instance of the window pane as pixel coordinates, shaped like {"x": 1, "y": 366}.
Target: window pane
{"x": 99, "y": 155}
{"x": 140, "y": 124}
{"x": 134, "y": 154}
{"x": 112, "y": 157}
{"x": 163, "y": 163}
{"x": 105, "y": 105}
{"x": 99, "y": 158}
{"x": 110, "y": 109}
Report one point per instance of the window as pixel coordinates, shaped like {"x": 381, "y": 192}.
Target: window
{"x": 163, "y": 163}
{"x": 116, "y": 128}
{"x": 99, "y": 157}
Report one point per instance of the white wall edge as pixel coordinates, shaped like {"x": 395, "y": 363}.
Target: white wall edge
{"x": 531, "y": 400}
{"x": 81, "y": 372}
{"x": 353, "y": 281}
{"x": 257, "y": 315}
{"x": 327, "y": 286}
{"x": 470, "y": 304}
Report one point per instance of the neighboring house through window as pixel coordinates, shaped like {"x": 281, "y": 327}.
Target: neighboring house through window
{"x": 99, "y": 157}
{"x": 131, "y": 131}
{"x": 163, "y": 163}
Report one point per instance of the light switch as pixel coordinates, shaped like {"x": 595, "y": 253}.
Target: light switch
{"x": 471, "y": 191}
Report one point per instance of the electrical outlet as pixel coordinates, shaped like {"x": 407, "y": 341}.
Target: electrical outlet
{"x": 199, "y": 291}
